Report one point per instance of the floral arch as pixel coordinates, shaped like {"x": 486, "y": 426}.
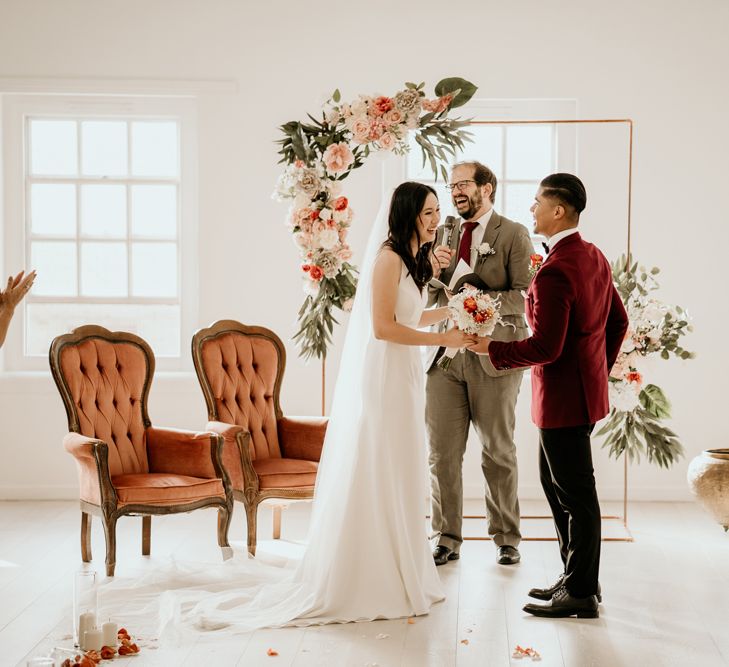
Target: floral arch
{"x": 321, "y": 153}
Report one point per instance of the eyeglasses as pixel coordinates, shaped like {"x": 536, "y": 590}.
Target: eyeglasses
{"x": 461, "y": 185}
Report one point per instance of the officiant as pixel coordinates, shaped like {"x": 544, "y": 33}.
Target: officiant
{"x": 471, "y": 390}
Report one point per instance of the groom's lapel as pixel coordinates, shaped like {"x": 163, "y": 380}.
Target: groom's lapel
{"x": 491, "y": 233}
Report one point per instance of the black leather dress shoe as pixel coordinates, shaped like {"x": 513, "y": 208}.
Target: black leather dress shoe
{"x": 547, "y": 593}
{"x": 507, "y": 555}
{"x": 442, "y": 554}
{"x": 563, "y": 605}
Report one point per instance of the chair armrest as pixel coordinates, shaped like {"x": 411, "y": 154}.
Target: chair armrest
{"x": 92, "y": 462}
{"x": 179, "y": 452}
{"x": 302, "y": 437}
{"x": 237, "y": 455}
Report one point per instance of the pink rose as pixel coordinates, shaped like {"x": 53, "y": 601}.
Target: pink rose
{"x": 387, "y": 141}
{"x": 340, "y": 203}
{"x": 361, "y": 130}
{"x": 344, "y": 253}
{"x": 394, "y": 117}
{"x": 338, "y": 158}
{"x": 316, "y": 273}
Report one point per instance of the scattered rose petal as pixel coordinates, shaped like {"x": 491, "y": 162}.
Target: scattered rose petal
{"x": 464, "y": 641}
{"x": 271, "y": 652}
{"x": 411, "y": 620}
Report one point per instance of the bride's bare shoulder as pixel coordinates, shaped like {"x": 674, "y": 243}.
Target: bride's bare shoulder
{"x": 387, "y": 258}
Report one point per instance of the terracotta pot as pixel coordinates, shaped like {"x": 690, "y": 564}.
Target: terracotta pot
{"x": 708, "y": 479}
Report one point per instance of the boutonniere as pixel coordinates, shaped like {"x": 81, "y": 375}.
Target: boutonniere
{"x": 535, "y": 262}
{"x": 484, "y": 249}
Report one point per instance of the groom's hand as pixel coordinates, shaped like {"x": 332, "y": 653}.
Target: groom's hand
{"x": 482, "y": 346}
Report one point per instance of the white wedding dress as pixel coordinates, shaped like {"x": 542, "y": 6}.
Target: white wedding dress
{"x": 367, "y": 555}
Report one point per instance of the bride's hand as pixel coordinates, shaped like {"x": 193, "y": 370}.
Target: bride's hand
{"x": 457, "y": 338}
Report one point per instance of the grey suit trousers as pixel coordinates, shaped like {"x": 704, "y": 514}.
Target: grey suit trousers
{"x": 455, "y": 398}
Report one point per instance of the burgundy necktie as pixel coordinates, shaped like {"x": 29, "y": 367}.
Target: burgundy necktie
{"x": 464, "y": 250}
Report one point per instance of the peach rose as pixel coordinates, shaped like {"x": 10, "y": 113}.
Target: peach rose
{"x": 360, "y": 130}
{"x": 338, "y": 158}
{"x": 387, "y": 141}
{"x": 340, "y": 203}
{"x": 394, "y": 117}
{"x": 430, "y": 105}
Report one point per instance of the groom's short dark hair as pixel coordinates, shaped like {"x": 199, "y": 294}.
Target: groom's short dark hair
{"x": 567, "y": 189}
{"x": 482, "y": 175}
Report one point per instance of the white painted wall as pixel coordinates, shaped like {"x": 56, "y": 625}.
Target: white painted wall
{"x": 662, "y": 64}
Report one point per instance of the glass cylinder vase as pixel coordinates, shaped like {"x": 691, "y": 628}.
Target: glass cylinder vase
{"x": 85, "y": 605}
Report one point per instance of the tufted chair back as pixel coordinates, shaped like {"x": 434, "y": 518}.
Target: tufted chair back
{"x": 104, "y": 379}
{"x": 240, "y": 370}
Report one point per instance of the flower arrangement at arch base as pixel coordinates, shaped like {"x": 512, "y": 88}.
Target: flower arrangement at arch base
{"x": 634, "y": 424}
{"x": 321, "y": 153}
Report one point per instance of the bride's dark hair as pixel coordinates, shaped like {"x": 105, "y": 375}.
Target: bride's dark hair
{"x": 405, "y": 207}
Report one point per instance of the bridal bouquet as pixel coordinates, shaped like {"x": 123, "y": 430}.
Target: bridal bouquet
{"x": 321, "y": 153}
{"x": 473, "y": 312}
{"x": 654, "y": 328}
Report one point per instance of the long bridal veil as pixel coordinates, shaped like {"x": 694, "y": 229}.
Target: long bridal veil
{"x": 242, "y": 594}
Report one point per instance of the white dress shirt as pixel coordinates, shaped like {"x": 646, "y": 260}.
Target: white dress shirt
{"x": 554, "y": 240}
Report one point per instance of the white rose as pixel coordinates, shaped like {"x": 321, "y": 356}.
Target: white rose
{"x": 327, "y": 239}
{"x": 654, "y": 335}
{"x": 624, "y": 396}
{"x": 628, "y": 345}
{"x": 301, "y": 201}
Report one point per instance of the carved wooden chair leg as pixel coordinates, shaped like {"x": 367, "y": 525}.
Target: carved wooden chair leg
{"x": 110, "y": 535}
{"x": 251, "y": 518}
{"x": 85, "y": 537}
{"x": 224, "y": 518}
{"x": 146, "y": 535}
{"x": 277, "y": 521}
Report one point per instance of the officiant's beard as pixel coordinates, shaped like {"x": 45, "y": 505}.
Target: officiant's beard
{"x": 475, "y": 203}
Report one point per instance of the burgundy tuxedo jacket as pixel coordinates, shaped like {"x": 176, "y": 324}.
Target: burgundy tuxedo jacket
{"x": 578, "y": 323}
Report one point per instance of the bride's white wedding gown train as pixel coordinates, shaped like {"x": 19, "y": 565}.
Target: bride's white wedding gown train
{"x": 367, "y": 556}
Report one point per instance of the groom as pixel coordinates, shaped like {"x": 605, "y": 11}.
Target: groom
{"x": 578, "y": 324}
{"x": 471, "y": 390}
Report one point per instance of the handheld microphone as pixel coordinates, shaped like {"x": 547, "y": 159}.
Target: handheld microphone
{"x": 448, "y": 226}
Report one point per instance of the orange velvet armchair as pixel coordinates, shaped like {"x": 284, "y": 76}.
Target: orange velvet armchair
{"x": 267, "y": 455}
{"x": 125, "y": 465}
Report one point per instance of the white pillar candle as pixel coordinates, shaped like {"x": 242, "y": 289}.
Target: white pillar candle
{"x": 92, "y": 640}
{"x": 108, "y": 631}
{"x": 86, "y": 621}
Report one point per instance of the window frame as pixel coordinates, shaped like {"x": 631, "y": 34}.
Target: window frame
{"x": 503, "y": 113}
{"x": 17, "y": 111}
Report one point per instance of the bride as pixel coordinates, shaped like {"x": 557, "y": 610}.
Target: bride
{"x": 367, "y": 555}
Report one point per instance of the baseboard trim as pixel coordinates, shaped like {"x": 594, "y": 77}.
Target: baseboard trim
{"x": 45, "y": 492}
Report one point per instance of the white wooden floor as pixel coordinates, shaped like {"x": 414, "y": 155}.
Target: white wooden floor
{"x": 666, "y": 596}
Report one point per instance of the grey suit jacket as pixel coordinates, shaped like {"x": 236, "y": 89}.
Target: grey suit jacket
{"x": 506, "y": 272}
